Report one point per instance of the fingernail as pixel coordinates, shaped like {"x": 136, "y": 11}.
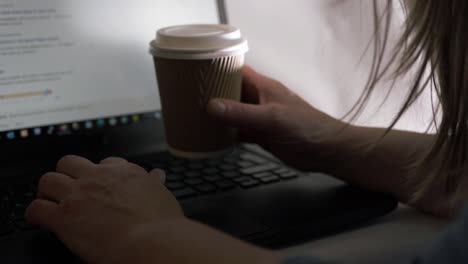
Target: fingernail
{"x": 217, "y": 107}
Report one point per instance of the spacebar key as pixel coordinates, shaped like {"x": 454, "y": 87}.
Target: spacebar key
{"x": 185, "y": 192}
{"x": 260, "y": 168}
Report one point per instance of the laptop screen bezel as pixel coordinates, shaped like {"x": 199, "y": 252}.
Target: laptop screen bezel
{"x": 51, "y": 147}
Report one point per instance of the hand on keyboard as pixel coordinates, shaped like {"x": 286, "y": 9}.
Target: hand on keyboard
{"x": 97, "y": 209}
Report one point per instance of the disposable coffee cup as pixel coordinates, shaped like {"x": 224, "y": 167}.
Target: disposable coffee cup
{"x": 195, "y": 63}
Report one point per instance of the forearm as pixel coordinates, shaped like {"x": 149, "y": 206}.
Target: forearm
{"x": 188, "y": 242}
{"x": 387, "y": 164}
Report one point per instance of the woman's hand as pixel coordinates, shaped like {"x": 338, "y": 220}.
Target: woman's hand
{"x": 274, "y": 117}
{"x": 297, "y": 133}
{"x": 96, "y": 209}
{"x": 115, "y": 212}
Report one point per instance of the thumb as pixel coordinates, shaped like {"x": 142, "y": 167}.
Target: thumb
{"x": 244, "y": 116}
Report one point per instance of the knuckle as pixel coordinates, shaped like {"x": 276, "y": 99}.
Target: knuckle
{"x": 46, "y": 180}
{"x": 32, "y": 208}
{"x": 64, "y": 161}
{"x": 116, "y": 159}
{"x": 105, "y": 170}
{"x": 159, "y": 172}
{"x": 276, "y": 113}
{"x": 136, "y": 168}
{"x": 105, "y": 160}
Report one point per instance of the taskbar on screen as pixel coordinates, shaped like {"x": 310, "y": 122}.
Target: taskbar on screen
{"x": 76, "y": 127}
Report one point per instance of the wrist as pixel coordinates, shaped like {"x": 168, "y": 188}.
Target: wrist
{"x": 185, "y": 241}
{"x": 340, "y": 149}
{"x": 142, "y": 242}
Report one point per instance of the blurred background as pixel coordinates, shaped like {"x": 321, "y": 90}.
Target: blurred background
{"x": 316, "y": 48}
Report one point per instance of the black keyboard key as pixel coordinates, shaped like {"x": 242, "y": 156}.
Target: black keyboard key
{"x": 288, "y": 175}
{"x": 253, "y": 158}
{"x": 270, "y": 179}
{"x": 211, "y": 170}
{"x": 29, "y": 196}
{"x": 245, "y": 164}
{"x": 205, "y": 188}
{"x": 231, "y": 174}
{"x": 175, "y": 185}
{"x": 193, "y": 181}
{"x": 158, "y": 165}
{"x": 230, "y": 160}
{"x": 212, "y": 178}
{"x": 174, "y": 177}
{"x": 260, "y": 168}
{"x": 212, "y": 162}
{"x": 249, "y": 184}
{"x": 4, "y": 197}
{"x": 227, "y": 167}
{"x": 192, "y": 174}
{"x": 175, "y": 162}
{"x": 225, "y": 184}
{"x": 263, "y": 175}
{"x": 242, "y": 179}
{"x": 195, "y": 166}
{"x": 282, "y": 170}
{"x": 23, "y": 225}
{"x": 184, "y": 193}
{"x": 5, "y": 227}
{"x": 177, "y": 169}
{"x": 5, "y": 206}
{"x": 17, "y": 211}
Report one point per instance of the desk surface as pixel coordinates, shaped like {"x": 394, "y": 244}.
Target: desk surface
{"x": 397, "y": 235}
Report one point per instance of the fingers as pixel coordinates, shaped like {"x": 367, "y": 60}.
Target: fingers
{"x": 250, "y": 93}
{"x": 43, "y": 213}
{"x": 256, "y": 87}
{"x": 55, "y": 187}
{"x": 159, "y": 174}
{"x": 74, "y": 166}
{"x": 239, "y": 114}
{"x": 113, "y": 160}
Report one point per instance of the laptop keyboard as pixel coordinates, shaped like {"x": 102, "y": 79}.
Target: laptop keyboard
{"x": 184, "y": 178}
{"x": 13, "y": 201}
{"x": 239, "y": 169}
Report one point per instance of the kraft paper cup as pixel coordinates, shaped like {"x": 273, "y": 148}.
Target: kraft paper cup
{"x": 195, "y": 63}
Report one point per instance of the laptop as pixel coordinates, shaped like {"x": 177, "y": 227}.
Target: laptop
{"x": 76, "y": 78}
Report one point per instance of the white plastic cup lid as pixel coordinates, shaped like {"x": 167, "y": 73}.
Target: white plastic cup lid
{"x": 201, "y": 41}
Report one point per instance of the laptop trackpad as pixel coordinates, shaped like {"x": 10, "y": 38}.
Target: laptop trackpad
{"x": 229, "y": 220}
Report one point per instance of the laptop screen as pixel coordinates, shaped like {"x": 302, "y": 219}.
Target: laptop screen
{"x": 68, "y": 65}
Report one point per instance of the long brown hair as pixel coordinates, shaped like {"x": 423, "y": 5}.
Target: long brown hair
{"x": 434, "y": 48}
